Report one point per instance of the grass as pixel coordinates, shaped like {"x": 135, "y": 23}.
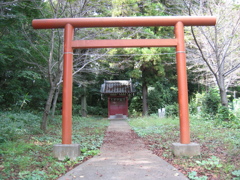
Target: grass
{"x": 220, "y": 146}
{"x": 27, "y": 153}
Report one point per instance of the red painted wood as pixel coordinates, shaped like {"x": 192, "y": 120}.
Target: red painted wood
{"x": 124, "y": 21}
{"x": 67, "y": 86}
{"x": 117, "y": 107}
{"x": 182, "y": 84}
{"x": 124, "y": 43}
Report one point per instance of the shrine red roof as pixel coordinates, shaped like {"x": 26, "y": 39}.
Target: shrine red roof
{"x": 117, "y": 87}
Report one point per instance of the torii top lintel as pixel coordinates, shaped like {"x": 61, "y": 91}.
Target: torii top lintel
{"x": 124, "y": 21}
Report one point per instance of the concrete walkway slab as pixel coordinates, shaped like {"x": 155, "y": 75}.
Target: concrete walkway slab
{"x": 124, "y": 157}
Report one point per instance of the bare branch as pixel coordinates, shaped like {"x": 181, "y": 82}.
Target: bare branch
{"x": 231, "y": 70}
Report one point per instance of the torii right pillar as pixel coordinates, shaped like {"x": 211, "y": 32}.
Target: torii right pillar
{"x": 185, "y": 147}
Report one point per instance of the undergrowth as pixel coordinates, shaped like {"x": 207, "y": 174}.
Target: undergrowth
{"x": 220, "y": 146}
{"x": 27, "y": 153}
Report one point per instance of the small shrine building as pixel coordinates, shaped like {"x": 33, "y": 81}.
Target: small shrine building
{"x": 117, "y": 92}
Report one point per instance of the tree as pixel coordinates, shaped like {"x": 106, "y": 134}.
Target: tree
{"x": 20, "y": 82}
{"x": 216, "y": 49}
{"x": 148, "y": 67}
{"x": 82, "y": 62}
{"x": 221, "y": 52}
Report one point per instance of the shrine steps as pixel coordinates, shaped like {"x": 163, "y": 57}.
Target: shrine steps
{"x": 117, "y": 116}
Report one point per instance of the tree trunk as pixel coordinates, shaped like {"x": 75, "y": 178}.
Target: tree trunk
{"x": 223, "y": 93}
{"x": 55, "y": 101}
{"x": 52, "y": 87}
{"x": 47, "y": 109}
{"x": 83, "y": 106}
{"x": 84, "y": 103}
{"x": 145, "y": 94}
{"x": 221, "y": 82}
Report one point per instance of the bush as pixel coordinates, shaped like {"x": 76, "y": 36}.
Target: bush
{"x": 193, "y": 108}
{"x": 172, "y": 110}
{"x": 226, "y": 118}
{"x": 91, "y": 110}
{"x": 15, "y": 125}
{"x": 96, "y": 110}
{"x": 135, "y": 107}
{"x": 224, "y": 114}
{"x": 134, "y": 113}
{"x": 211, "y": 102}
{"x": 76, "y": 110}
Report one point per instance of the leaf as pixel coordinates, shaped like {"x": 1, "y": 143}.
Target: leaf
{"x": 236, "y": 173}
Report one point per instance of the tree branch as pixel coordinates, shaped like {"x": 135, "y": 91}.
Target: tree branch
{"x": 231, "y": 70}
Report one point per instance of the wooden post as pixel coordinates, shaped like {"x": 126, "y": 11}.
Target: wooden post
{"x": 182, "y": 84}
{"x": 67, "y": 85}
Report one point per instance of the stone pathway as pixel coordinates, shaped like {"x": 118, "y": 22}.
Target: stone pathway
{"x": 124, "y": 157}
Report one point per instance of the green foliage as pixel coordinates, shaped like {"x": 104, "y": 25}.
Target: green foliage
{"x": 31, "y": 75}
{"x": 211, "y": 102}
{"x": 17, "y": 148}
{"x": 195, "y": 102}
{"x": 24, "y": 101}
{"x": 57, "y": 168}
{"x": 19, "y": 77}
{"x": 193, "y": 176}
{"x": 199, "y": 98}
{"x": 236, "y": 107}
{"x": 19, "y": 156}
{"x": 172, "y": 110}
{"x": 224, "y": 114}
{"x": 193, "y": 107}
{"x": 148, "y": 67}
{"x": 93, "y": 129}
{"x": 222, "y": 143}
{"x": 136, "y": 8}
{"x": 76, "y": 110}
{"x": 211, "y": 163}
{"x": 161, "y": 95}
{"x": 135, "y": 107}
{"x": 236, "y": 175}
{"x": 97, "y": 110}
{"x": 87, "y": 152}
{"x": 34, "y": 175}
{"x": 15, "y": 125}
{"x": 211, "y": 110}
{"x": 145, "y": 126}
{"x": 29, "y": 155}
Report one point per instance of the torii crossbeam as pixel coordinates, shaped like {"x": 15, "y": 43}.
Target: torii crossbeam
{"x": 69, "y": 45}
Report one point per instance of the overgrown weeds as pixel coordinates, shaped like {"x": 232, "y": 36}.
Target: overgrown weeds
{"x": 220, "y": 146}
{"x": 26, "y": 152}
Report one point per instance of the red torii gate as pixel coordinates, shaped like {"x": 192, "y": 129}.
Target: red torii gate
{"x": 69, "y": 45}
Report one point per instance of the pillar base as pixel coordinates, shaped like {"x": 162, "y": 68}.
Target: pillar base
{"x": 63, "y": 151}
{"x": 192, "y": 149}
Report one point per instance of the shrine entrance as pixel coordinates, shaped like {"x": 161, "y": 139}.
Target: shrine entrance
{"x": 178, "y": 42}
{"x": 117, "y": 92}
